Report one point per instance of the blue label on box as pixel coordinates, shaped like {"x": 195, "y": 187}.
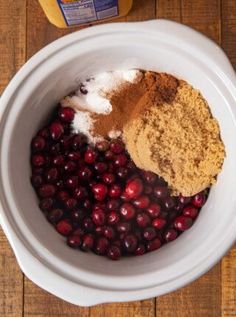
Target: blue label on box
{"x": 83, "y": 11}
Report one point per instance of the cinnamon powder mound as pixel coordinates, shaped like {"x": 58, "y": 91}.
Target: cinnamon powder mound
{"x": 176, "y": 137}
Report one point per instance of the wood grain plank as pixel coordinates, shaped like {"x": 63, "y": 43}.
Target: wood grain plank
{"x": 12, "y": 47}
{"x": 203, "y": 297}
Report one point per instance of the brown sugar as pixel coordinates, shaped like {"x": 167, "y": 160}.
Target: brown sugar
{"x": 177, "y": 139}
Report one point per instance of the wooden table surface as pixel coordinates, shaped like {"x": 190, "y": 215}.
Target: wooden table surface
{"x": 23, "y": 31}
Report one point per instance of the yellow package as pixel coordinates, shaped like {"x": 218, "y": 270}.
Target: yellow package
{"x": 66, "y": 13}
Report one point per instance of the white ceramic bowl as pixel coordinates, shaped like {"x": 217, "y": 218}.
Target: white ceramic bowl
{"x": 87, "y": 279}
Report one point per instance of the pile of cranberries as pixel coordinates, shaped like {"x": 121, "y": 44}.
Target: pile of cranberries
{"x": 98, "y": 199}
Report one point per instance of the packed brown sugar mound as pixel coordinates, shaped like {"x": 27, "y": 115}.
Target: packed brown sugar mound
{"x": 172, "y": 133}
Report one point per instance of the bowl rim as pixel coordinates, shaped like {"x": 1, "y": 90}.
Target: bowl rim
{"x": 29, "y": 263}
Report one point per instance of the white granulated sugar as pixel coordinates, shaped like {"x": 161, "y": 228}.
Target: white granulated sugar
{"x": 114, "y": 134}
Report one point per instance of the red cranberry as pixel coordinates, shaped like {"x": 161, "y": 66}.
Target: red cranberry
{"x": 88, "y": 224}
{"x": 71, "y": 203}
{"x": 72, "y": 181}
{"x": 190, "y": 211}
{"x": 170, "y": 235}
{"x": 161, "y": 192}
{"x": 117, "y": 146}
{"x": 100, "y": 191}
{"x": 102, "y": 146}
{"x": 109, "y": 233}
{"x": 184, "y": 200}
{"x": 64, "y": 227}
{"x": 114, "y": 253}
{"x": 124, "y": 196}
{"x": 115, "y": 191}
{"x": 179, "y": 207}
{"x": 63, "y": 195}
{"x": 55, "y": 149}
{"x": 78, "y": 141}
{"x": 149, "y": 233}
{"x": 90, "y": 156}
{"x": 154, "y": 210}
{"x": 87, "y": 204}
{"x": 85, "y": 173}
{"x": 123, "y": 227}
{"x": 113, "y": 218}
{"x": 99, "y": 230}
{"x": 142, "y": 202}
{"x": 183, "y": 223}
{"x": 199, "y": 200}
{"x": 140, "y": 250}
{"x": 74, "y": 156}
{"x": 88, "y": 242}
{"x": 101, "y": 246}
{"x": 52, "y": 175}
{"x": 122, "y": 172}
{"x": 108, "y": 178}
{"x": 46, "y": 204}
{"x": 153, "y": 245}
{"x": 66, "y": 114}
{"x": 113, "y": 204}
{"x": 99, "y": 205}
{"x": 38, "y": 144}
{"x": 98, "y": 217}
{"x": 56, "y": 130}
{"x": 66, "y": 142}
{"x": 47, "y": 190}
{"x": 149, "y": 177}
{"x": 77, "y": 215}
{"x": 127, "y": 211}
{"x": 79, "y": 232}
{"x": 55, "y": 215}
{"x": 130, "y": 243}
{"x": 36, "y": 180}
{"x": 70, "y": 166}
{"x": 100, "y": 167}
{"x": 120, "y": 160}
{"x": 58, "y": 160}
{"x": 169, "y": 202}
{"x": 38, "y": 160}
{"x": 60, "y": 184}
{"x": 44, "y": 133}
{"x": 143, "y": 220}
{"x": 108, "y": 155}
{"x": 159, "y": 223}
{"x": 74, "y": 241}
{"x": 148, "y": 190}
{"x": 134, "y": 188}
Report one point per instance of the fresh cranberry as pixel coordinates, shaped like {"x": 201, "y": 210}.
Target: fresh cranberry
{"x": 38, "y": 144}
{"x": 63, "y": 195}
{"x": 108, "y": 178}
{"x": 52, "y": 175}
{"x": 98, "y": 217}
{"x": 134, "y": 188}
{"x": 36, "y": 180}
{"x": 161, "y": 192}
{"x": 179, "y": 207}
{"x": 69, "y": 167}
{"x": 115, "y": 191}
{"x": 127, "y": 211}
{"x": 123, "y": 227}
{"x": 142, "y": 202}
{"x": 78, "y": 141}
{"x": 154, "y": 210}
{"x": 55, "y": 215}
{"x": 140, "y": 250}
{"x": 124, "y": 196}
{"x": 87, "y": 204}
{"x": 169, "y": 202}
{"x": 114, "y": 253}
{"x": 100, "y": 191}
{"x": 64, "y": 227}
{"x": 66, "y": 142}
{"x": 44, "y": 133}
{"x": 113, "y": 218}
{"x": 159, "y": 223}
{"x": 109, "y": 233}
{"x": 46, "y": 190}
{"x": 38, "y": 160}
{"x": 46, "y": 204}
{"x": 72, "y": 181}
{"x": 101, "y": 246}
{"x": 74, "y": 241}
{"x": 183, "y": 223}
{"x": 71, "y": 203}
{"x": 184, "y": 200}
{"x": 108, "y": 155}
{"x": 56, "y": 130}
{"x": 130, "y": 243}
{"x": 148, "y": 190}
{"x": 66, "y": 114}
{"x": 170, "y": 235}
{"x": 122, "y": 172}
{"x": 90, "y": 156}
{"x": 117, "y": 146}
{"x": 190, "y": 211}
{"x": 100, "y": 167}
{"x": 143, "y": 220}
{"x": 102, "y": 146}
{"x": 199, "y": 200}
{"x": 149, "y": 177}
{"x": 77, "y": 215}
{"x": 120, "y": 160}
{"x": 73, "y": 156}
{"x": 99, "y": 230}
{"x": 55, "y": 149}
{"x": 79, "y": 232}
{"x": 58, "y": 160}
{"x": 113, "y": 204}
{"x": 88, "y": 242}
{"x": 149, "y": 233}
{"x": 153, "y": 245}
{"x": 85, "y": 173}
{"x": 99, "y": 205}
{"x": 88, "y": 224}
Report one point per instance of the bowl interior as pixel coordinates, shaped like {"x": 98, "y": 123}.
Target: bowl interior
{"x": 39, "y": 95}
